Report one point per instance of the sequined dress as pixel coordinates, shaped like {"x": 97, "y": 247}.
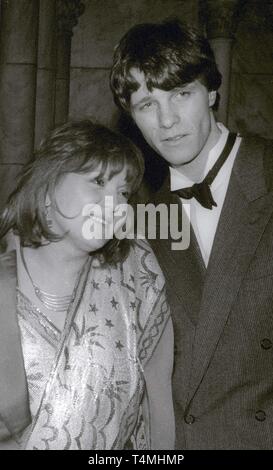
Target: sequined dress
{"x": 86, "y": 384}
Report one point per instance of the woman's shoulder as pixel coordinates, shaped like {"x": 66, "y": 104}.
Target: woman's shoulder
{"x": 142, "y": 252}
{"x": 153, "y": 312}
{"x": 143, "y": 262}
{"x": 141, "y": 245}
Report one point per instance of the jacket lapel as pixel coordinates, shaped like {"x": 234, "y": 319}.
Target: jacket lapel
{"x": 187, "y": 265}
{"x": 184, "y": 271}
{"x": 246, "y": 211}
{"x": 14, "y": 407}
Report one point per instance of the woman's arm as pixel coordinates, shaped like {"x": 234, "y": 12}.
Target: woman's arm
{"x": 158, "y": 375}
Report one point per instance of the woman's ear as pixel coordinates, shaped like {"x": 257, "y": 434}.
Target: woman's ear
{"x": 48, "y": 211}
{"x": 212, "y": 97}
{"x": 47, "y": 200}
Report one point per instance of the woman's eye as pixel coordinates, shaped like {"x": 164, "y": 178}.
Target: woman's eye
{"x": 126, "y": 194}
{"x": 183, "y": 93}
{"x": 99, "y": 181}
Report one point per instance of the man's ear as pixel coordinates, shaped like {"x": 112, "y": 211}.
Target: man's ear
{"x": 212, "y": 97}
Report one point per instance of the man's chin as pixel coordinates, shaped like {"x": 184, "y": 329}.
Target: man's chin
{"x": 179, "y": 160}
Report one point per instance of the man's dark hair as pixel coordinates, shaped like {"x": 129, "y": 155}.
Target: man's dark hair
{"x": 170, "y": 54}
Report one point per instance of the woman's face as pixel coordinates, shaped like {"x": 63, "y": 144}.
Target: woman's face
{"x": 87, "y": 203}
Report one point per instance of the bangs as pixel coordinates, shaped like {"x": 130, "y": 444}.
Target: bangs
{"x": 114, "y": 161}
{"x": 166, "y": 76}
{"x": 133, "y": 171}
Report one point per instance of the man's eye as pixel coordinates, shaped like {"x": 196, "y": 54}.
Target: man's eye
{"x": 146, "y": 106}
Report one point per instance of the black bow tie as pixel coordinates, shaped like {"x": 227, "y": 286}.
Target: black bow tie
{"x": 201, "y": 191}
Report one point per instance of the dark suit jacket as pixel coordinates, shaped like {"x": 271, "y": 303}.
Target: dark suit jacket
{"x": 223, "y": 315}
{"x": 14, "y": 406}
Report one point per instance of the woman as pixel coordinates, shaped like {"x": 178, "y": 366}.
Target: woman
{"x": 93, "y": 367}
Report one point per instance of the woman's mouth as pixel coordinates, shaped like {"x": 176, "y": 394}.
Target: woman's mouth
{"x": 98, "y": 220}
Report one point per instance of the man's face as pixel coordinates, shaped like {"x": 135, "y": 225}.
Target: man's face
{"x": 178, "y": 124}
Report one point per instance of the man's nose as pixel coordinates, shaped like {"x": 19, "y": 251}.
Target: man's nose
{"x": 168, "y": 115}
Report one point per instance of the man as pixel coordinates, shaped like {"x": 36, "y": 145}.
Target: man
{"x": 221, "y": 287}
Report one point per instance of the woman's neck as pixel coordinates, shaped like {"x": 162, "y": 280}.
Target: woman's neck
{"x": 54, "y": 257}
{"x": 53, "y": 267}
{"x": 55, "y": 272}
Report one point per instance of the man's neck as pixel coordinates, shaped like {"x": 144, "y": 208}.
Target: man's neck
{"x": 195, "y": 169}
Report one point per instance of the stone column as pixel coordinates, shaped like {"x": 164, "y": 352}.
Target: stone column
{"x": 18, "y": 61}
{"x": 220, "y": 17}
{"x": 46, "y": 70}
{"x": 68, "y": 12}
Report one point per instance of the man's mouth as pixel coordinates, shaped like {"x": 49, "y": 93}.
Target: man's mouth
{"x": 175, "y": 138}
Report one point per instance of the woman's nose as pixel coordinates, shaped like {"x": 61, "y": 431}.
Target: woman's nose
{"x": 111, "y": 202}
{"x": 112, "y": 199}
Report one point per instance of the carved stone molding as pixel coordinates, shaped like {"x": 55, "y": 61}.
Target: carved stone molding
{"x": 220, "y": 17}
{"x": 68, "y": 13}
{"x": 257, "y": 14}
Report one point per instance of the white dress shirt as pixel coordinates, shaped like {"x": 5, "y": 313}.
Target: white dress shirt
{"x": 204, "y": 221}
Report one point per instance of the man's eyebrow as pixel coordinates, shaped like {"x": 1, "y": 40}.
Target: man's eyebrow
{"x": 184, "y": 85}
{"x": 142, "y": 101}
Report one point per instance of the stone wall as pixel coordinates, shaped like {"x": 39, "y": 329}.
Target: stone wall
{"x": 99, "y": 29}
{"x": 251, "y": 92}
{"x": 105, "y": 21}
{"x": 35, "y": 45}
{"x": 32, "y": 100}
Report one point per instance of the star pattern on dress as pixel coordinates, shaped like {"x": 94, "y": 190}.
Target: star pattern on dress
{"x": 114, "y": 303}
{"x": 133, "y": 305}
{"x": 95, "y": 285}
{"x": 112, "y": 388}
{"x": 119, "y": 345}
{"x": 108, "y": 323}
{"x": 133, "y": 326}
{"x": 109, "y": 280}
{"x": 93, "y": 308}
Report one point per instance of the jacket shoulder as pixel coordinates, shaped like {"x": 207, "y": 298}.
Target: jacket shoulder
{"x": 262, "y": 148}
